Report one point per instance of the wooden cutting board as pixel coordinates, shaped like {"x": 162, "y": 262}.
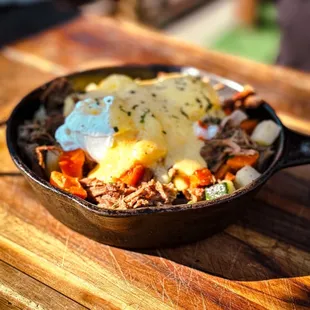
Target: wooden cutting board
{"x": 261, "y": 262}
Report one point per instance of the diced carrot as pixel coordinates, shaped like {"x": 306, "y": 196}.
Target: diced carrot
{"x": 71, "y": 163}
{"x": 134, "y": 175}
{"x": 221, "y": 172}
{"x": 229, "y": 176}
{"x": 239, "y": 161}
{"x": 248, "y": 125}
{"x": 202, "y": 124}
{"x": 68, "y": 184}
{"x": 200, "y": 178}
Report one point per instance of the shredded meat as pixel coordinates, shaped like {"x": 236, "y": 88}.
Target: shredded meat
{"x": 53, "y": 121}
{"x": 213, "y": 154}
{"x": 232, "y": 141}
{"x": 30, "y": 136}
{"x": 194, "y": 194}
{"x": 36, "y": 134}
{"x": 122, "y": 196}
{"x": 55, "y": 94}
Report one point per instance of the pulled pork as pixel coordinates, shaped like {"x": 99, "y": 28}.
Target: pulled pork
{"x": 35, "y": 134}
{"x": 31, "y": 135}
{"x": 54, "y": 95}
{"x": 41, "y": 130}
{"x": 194, "y": 194}
{"x": 121, "y": 196}
{"x": 232, "y": 141}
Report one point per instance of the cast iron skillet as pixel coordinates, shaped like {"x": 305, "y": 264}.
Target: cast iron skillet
{"x": 152, "y": 226}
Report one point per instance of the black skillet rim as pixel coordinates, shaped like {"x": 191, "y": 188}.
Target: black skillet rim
{"x": 13, "y": 150}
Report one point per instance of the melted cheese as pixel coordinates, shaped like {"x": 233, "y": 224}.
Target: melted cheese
{"x": 154, "y": 123}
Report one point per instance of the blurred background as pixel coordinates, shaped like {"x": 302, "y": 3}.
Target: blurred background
{"x": 245, "y": 28}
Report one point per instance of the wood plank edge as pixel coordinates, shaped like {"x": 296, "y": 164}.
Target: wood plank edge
{"x": 58, "y": 279}
{"x": 19, "y": 298}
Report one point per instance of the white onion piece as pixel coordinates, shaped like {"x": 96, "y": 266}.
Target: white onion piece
{"x": 245, "y": 176}
{"x": 205, "y": 133}
{"x": 51, "y": 161}
{"x": 236, "y": 118}
{"x": 266, "y": 132}
{"x": 88, "y": 127}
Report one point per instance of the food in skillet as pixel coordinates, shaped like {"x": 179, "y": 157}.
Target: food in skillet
{"x": 127, "y": 143}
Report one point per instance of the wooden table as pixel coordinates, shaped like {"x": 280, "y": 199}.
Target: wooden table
{"x": 247, "y": 11}
{"x": 261, "y": 262}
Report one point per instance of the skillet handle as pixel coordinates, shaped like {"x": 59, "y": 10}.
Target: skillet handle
{"x": 296, "y": 151}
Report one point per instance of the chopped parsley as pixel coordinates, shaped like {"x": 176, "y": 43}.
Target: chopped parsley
{"x": 142, "y": 118}
{"x": 153, "y": 95}
{"x": 199, "y": 102}
{"x": 164, "y": 132}
{"x": 123, "y": 110}
{"x": 209, "y": 106}
{"x": 230, "y": 156}
{"x": 135, "y": 106}
{"x": 132, "y": 92}
{"x": 115, "y": 129}
{"x": 184, "y": 113}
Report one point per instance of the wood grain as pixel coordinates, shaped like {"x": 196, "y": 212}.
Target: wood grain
{"x": 22, "y": 291}
{"x": 261, "y": 262}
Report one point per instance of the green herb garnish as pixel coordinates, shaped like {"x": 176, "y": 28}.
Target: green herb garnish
{"x": 209, "y": 106}
{"x": 142, "y": 118}
{"x": 123, "y": 110}
{"x": 183, "y": 113}
{"x": 230, "y": 156}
